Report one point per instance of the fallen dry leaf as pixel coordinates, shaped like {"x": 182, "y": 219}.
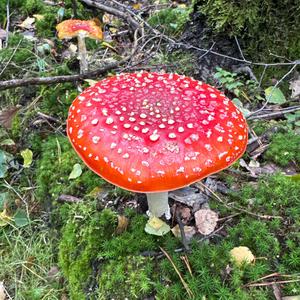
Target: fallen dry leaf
{"x": 53, "y": 273}
{"x": 189, "y": 231}
{"x": 7, "y": 115}
{"x": 206, "y": 221}
{"x": 5, "y": 219}
{"x": 2, "y": 291}
{"x": 295, "y": 87}
{"x": 242, "y": 255}
{"x": 27, "y": 23}
{"x": 122, "y": 224}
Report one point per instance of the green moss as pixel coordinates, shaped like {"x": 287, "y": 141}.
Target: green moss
{"x": 20, "y": 52}
{"x": 57, "y": 99}
{"x": 88, "y": 243}
{"x": 128, "y": 277}
{"x": 119, "y": 271}
{"x": 28, "y": 253}
{"x": 31, "y": 7}
{"x": 171, "y": 20}
{"x": 82, "y": 239}
{"x": 284, "y": 149}
{"x": 54, "y": 167}
{"x": 264, "y": 27}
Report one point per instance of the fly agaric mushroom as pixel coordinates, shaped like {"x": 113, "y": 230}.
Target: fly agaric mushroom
{"x": 81, "y": 29}
{"x": 152, "y": 133}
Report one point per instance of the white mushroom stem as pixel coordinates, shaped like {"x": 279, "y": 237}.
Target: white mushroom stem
{"x": 158, "y": 204}
{"x": 82, "y": 54}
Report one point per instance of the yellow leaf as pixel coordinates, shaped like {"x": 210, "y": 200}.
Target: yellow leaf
{"x": 156, "y": 223}
{"x": 107, "y": 45}
{"x": 38, "y": 17}
{"x": 156, "y": 226}
{"x": 137, "y": 6}
{"x": 107, "y": 18}
{"x": 27, "y": 157}
{"x": 4, "y": 218}
{"x": 95, "y": 192}
{"x": 113, "y": 30}
{"x": 242, "y": 255}
{"x": 91, "y": 82}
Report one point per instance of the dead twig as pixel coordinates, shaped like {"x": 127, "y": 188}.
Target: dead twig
{"x": 182, "y": 233}
{"x": 8, "y": 84}
{"x": 50, "y": 118}
{"x": 185, "y": 259}
{"x": 273, "y": 114}
{"x": 116, "y": 12}
{"x": 271, "y": 283}
{"x": 267, "y": 217}
{"x": 188, "y": 290}
{"x": 7, "y": 23}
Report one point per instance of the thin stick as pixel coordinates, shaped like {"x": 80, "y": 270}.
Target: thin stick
{"x": 185, "y": 259}
{"x": 11, "y": 57}
{"x": 238, "y": 208}
{"x": 7, "y": 23}
{"x": 276, "y": 274}
{"x": 182, "y": 233}
{"x": 275, "y": 114}
{"x": 239, "y": 47}
{"x": 271, "y": 282}
{"x": 37, "y": 275}
{"x": 188, "y": 290}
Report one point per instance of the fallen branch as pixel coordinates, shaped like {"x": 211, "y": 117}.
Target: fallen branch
{"x": 274, "y": 114}
{"x": 8, "y": 84}
{"x": 116, "y": 12}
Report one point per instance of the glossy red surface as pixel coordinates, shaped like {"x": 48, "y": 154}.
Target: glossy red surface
{"x": 151, "y": 132}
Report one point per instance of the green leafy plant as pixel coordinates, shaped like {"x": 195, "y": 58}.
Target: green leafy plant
{"x": 242, "y": 89}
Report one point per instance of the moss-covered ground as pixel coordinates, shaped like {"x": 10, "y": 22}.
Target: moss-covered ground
{"x": 54, "y": 250}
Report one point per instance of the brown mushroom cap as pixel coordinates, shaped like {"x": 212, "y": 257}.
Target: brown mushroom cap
{"x": 71, "y": 28}
{"x": 151, "y": 132}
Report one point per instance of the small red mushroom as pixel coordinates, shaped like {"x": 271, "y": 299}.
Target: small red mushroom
{"x": 81, "y": 29}
{"x": 152, "y": 133}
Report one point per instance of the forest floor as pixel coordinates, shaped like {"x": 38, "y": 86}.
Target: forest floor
{"x": 65, "y": 233}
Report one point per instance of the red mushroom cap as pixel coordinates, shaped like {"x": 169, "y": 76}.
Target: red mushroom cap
{"x": 151, "y": 132}
{"x": 72, "y": 28}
